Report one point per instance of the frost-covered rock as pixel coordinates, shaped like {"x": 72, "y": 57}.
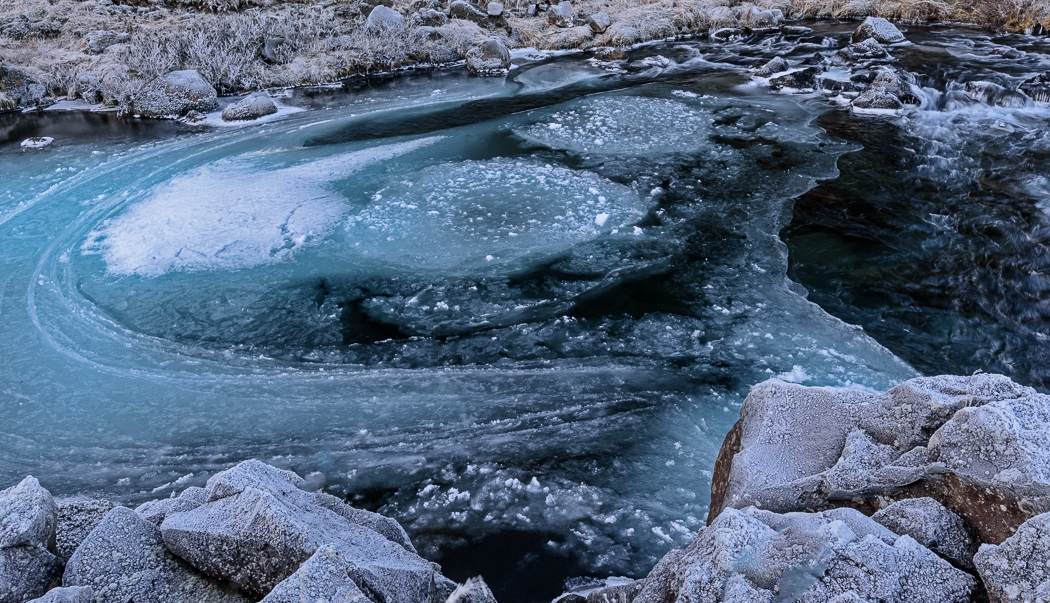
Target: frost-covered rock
{"x": 27, "y": 530}
{"x": 99, "y": 41}
{"x": 865, "y": 50}
{"x": 155, "y": 511}
{"x": 124, "y": 559}
{"x": 325, "y": 576}
{"x": 495, "y": 9}
{"x": 76, "y": 519}
{"x": 757, "y": 19}
{"x": 990, "y": 93}
{"x": 599, "y": 22}
{"x": 561, "y": 15}
{"x": 931, "y": 525}
{"x": 16, "y": 85}
{"x": 880, "y": 29}
{"x": 249, "y": 108}
{"x": 799, "y": 79}
{"x": 27, "y": 515}
{"x": 258, "y": 527}
{"x": 433, "y": 18}
{"x": 727, "y": 34}
{"x": 26, "y": 572}
{"x": 752, "y": 555}
{"x": 775, "y": 65}
{"x": 473, "y": 590}
{"x": 272, "y": 49}
{"x": 489, "y": 57}
{"x": 383, "y": 17}
{"x": 175, "y": 95}
{"x": 889, "y": 89}
{"x": 73, "y": 594}
{"x": 1018, "y": 570}
{"x": 461, "y": 9}
{"x": 978, "y": 445}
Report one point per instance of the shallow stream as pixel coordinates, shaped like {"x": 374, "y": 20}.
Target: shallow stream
{"x": 517, "y": 315}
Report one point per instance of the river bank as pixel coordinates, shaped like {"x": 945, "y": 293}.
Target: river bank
{"x": 105, "y": 52}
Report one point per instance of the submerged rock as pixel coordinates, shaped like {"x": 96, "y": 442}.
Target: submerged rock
{"x": 867, "y": 49}
{"x": 124, "y": 559}
{"x": 799, "y": 79}
{"x": 1019, "y": 568}
{"x": 1037, "y": 88}
{"x": 76, "y": 519}
{"x": 880, "y": 30}
{"x": 175, "y": 95}
{"x": 751, "y": 555}
{"x": 608, "y": 53}
{"x": 888, "y": 90}
{"x": 978, "y": 445}
{"x": 249, "y": 108}
{"x": 776, "y": 65}
{"x": 490, "y": 57}
{"x": 258, "y": 527}
{"x": 990, "y": 93}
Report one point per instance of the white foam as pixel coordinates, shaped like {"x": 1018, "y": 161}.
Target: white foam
{"x": 232, "y": 214}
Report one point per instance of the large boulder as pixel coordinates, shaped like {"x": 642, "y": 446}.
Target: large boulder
{"x": 978, "y": 445}
{"x": 258, "y": 528}
{"x": 250, "y": 107}
{"x": 1018, "y": 569}
{"x": 489, "y": 57}
{"x": 931, "y": 525}
{"x": 76, "y": 519}
{"x": 27, "y": 515}
{"x": 124, "y": 559}
{"x": 599, "y": 22}
{"x": 325, "y": 576}
{"x": 881, "y": 30}
{"x": 751, "y": 555}
{"x": 27, "y": 530}
{"x": 99, "y": 41}
{"x": 383, "y": 17}
{"x": 73, "y": 594}
{"x": 175, "y": 95}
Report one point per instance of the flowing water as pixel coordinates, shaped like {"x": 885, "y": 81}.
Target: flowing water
{"x": 517, "y": 315}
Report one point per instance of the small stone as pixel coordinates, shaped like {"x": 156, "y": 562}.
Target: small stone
{"x": 99, "y": 41}
{"x": 495, "y": 9}
{"x": 561, "y": 15}
{"x": 249, "y": 108}
{"x": 931, "y": 525}
{"x": 599, "y": 22}
{"x": 608, "y": 53}
{"x": 776, "y": 65}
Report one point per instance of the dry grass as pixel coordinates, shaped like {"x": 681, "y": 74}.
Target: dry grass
{"x": 326, "y": 40}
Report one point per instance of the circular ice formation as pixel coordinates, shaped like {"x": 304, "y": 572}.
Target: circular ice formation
{"x": 232, "y": 214}
{"x": 622, "y": 125}
{"x": 489, "y": 213}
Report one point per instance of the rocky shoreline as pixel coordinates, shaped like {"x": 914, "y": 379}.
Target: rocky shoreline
{"x": 938, "y": 491}
{"x": 111, "y": 53}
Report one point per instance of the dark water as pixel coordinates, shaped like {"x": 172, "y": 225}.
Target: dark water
{"x": 546, "y": 407}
